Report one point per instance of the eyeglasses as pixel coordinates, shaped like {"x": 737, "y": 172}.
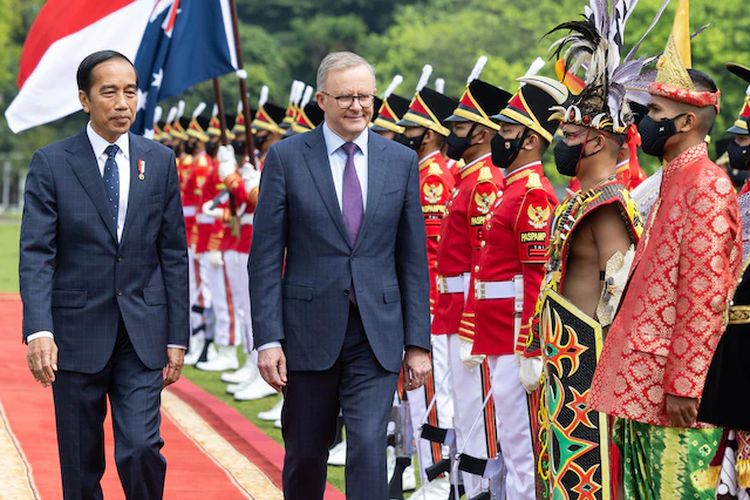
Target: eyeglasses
{"x": 346, "y": 101}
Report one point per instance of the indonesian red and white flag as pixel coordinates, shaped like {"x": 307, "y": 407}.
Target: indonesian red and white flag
{"x": 63, "y": 34}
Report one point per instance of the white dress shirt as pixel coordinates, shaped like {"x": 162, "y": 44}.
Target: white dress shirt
{"x": 99, "y": 144}
{"x": 337, "y": 161}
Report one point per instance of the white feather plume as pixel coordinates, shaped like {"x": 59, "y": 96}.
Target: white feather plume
{"x": 172, "y": 114}
{"x": 292, "y": 91}
{"x": 393, "y": 86}
{"x": 440, "y": 85}
{"x": 157, "y": 114}
{"x": 215, "y": 110}
{"x": 198, "y": 110}
{"x": 300, "y": 88}
{"x": 239, "y": 107}
{"x": 263, "y": 99}
{"x": 425, "y": 77}
{"x": 180, "y": 109}
{"x": 306, "y": 96}
{"x": 477, "y": 70}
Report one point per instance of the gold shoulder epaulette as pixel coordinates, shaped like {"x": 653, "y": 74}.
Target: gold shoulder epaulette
{"x": 485, "y": 174}
{"x": 534, "y": 181}
{"x": 434, "y": 169}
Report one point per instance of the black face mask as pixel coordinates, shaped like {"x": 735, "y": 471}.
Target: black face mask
{"x": 568, "y": 157}
{"x": 505, "y": 151}
{"x": 457, "y": 146}
{"x": 190, "y": 147}
{"x": 739, "y": 156}
{"x": 411, "y": 142}
{"x": 259, "y": 140}
{"x": 654, "y": 135}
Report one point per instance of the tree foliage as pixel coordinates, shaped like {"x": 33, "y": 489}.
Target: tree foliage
{"x": 286, "y": 39}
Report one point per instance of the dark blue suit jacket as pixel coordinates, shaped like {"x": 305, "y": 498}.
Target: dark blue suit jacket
{"x": 298, "y": 222}
{"x": 76, "y": 280}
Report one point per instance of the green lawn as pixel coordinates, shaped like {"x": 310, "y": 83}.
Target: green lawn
{"x": 9, "y": 231}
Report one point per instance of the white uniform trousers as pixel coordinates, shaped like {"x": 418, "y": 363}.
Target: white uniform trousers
{"x": 513, "y": 427}
{"x": 236, "y": 266}
{"x": 469, "y": 391}
{"x": 441, "y": 414}
{"x": 226, "y": 329}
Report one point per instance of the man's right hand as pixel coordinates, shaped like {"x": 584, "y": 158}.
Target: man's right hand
{"x": 272, "y": 366}
{"x": 681, "y": 411}
{"x": 41, "y": 355}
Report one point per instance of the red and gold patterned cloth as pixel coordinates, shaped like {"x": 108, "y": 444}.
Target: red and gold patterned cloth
{"x": 673, "y": 312}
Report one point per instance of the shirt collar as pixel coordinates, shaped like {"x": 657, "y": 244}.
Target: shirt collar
{"x": 334, "y": 142}
{"x": 429, "y": 156}
{"x": 481, "y": 158}
{"x": 688, "y": 156}
{"x": 99, "y": 144}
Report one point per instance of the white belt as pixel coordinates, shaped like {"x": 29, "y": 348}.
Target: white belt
{"x": 202, "y": 218}
{"x": 247, "y": 219}
{"x": 450, "y": 284}
{"x": 188, "y": 211}
{"x": 494, "y": 289}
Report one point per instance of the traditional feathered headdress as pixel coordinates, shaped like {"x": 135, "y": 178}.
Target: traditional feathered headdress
{"x": 595, "y": 44}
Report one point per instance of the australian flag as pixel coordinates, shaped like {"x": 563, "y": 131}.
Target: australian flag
{"x": 186, "y": 42}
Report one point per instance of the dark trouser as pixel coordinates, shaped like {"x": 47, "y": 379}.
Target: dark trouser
{"x": 80, "y": 407}
{"x": 363, "y": 390}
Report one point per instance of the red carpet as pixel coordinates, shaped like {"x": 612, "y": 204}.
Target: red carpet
{"x": 212, "y": 451}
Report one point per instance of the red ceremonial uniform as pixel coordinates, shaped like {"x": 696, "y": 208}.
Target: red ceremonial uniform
{"x": 187, "y": 195}
{"x": 487, "y": 191}
{"x": 460, "y": 234}
{"x": 672, "y": 315}
{"x": 436, "y": 184}
{"x": 196, "y": 184}
{"x": 515, "y": 246}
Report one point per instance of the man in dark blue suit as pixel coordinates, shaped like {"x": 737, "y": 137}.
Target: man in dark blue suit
{"x": 339, "y": 284}
{"x": 103, "y": 275}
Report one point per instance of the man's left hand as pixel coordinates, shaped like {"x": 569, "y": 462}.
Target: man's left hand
{"x": 682, "y": 412}
{"x": 417, "y": 366}
{"x": 175, "y": 360}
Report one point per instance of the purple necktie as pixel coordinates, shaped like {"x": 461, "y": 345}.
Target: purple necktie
{"x": 351, "y": 196}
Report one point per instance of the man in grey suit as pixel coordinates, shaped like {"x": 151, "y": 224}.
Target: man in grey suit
{"x": 339, "y": 284}
{"x": 103, "y": 275}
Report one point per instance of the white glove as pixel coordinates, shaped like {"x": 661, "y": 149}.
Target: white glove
{"x": 216, "y": 213}
{"x": 530, "y": 373}
{"x": 469, "y": 360}
{"x": 227, "y": 161}
{"x": 214, "y": 257}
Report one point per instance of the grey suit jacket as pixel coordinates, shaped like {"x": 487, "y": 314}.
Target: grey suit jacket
{"x": 302, "y": 266}
{"x": 77, "y": 280}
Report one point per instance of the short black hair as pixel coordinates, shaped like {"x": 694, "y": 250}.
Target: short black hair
{"x": 83, "y": 75}
{"x": 702, "y": 82}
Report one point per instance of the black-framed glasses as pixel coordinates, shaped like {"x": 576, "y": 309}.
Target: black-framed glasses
{"x": 346, "y": 101}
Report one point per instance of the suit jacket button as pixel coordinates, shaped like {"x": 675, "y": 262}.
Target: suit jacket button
{"x": 119, "y": 293}
{"x": 347, "y": 291}
{"x": 120, "y": 258}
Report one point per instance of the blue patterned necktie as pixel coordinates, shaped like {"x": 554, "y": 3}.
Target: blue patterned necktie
{"x": 111, "y": 179}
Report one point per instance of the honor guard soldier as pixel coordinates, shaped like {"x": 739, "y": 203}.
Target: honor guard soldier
{"x": 266, "y": 126}
{"x": 479, "y": 186}
{"x": 425, "y": 132}
{"x": 511, "y": 266}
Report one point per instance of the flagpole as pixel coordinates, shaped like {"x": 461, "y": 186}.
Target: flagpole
{"x": 249, "y": 144}
{"x": 219, "y": 100}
